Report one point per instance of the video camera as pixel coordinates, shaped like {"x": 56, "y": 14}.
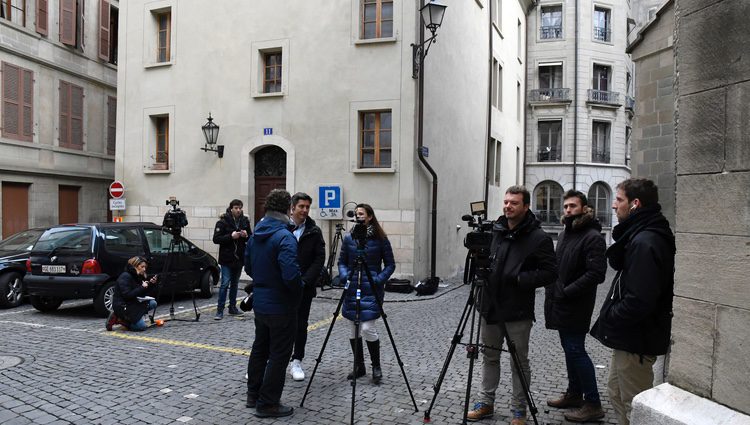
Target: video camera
{"x": 359, "y": 231}
{"x": 175, "y": 219}
{"x": 478, "y": 241}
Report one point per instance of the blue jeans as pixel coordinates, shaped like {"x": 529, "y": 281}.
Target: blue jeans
{"x": 581, "y": 376}
{"x": 140, "y": 325}
{"x": 230, "y": 277}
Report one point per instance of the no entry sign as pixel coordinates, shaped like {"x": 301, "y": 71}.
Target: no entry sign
{"x": 116, "y": 189}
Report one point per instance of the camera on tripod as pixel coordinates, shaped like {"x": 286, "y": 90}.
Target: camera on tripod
{"x": 175, "y": 219}
{"x": 359, "y": 231}
{"x": 478, "y": 241}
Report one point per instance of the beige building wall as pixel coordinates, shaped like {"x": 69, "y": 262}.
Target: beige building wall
{"x": 41, "y": 163}
{"x": 329, "y": 75}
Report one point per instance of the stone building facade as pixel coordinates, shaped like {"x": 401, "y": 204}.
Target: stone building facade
{"x": 59, "y": 74}
{"x": 309, "y": 94}
{"x": 580, "y": 104}
{"x": 708, "y": 370}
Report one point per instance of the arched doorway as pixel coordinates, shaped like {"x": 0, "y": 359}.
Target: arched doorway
{"x": 548, "y": 202}
{"x": 270, "y": 173}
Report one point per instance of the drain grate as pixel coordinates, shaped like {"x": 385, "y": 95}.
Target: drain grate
{"x": 7, "y": 362}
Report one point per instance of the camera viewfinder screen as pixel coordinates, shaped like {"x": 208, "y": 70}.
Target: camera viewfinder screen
{"x": 478, "y": 208}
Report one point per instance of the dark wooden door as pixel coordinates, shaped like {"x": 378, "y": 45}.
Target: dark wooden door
{"x": 67, "y": 204}
{"x": 270, "y": 173}
{"x": 15, "y": 208}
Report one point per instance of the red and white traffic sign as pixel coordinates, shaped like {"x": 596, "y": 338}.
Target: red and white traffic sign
{"x": 116, "y": 189}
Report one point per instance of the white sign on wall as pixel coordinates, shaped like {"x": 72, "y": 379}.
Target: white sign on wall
{"x": 117, "y": 204}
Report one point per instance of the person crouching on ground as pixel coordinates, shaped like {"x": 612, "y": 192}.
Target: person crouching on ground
{"x": 132, "y": 284}
{"x": 380, "y": 263}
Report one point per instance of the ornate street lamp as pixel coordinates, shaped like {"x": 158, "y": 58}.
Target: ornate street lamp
{"x": 432, "y": 17}
{"x": 211, "y": 132}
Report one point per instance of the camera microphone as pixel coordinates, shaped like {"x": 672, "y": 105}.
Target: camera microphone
{"x": 467, "y": 217}
{"x": 350, "y": 213}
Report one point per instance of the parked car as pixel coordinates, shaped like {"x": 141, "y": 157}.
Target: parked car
{"x": 14, "y": 251}
{"x": 84, "y": 260}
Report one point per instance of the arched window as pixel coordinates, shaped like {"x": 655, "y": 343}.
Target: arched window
{"x": 599, "y": 201}
{"x": 548, "y": 202}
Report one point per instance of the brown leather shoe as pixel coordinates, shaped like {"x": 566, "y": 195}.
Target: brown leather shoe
{"x": 566, "y": 400}
{"x": 480, "y": 411}
{"x": 586, "y": 413}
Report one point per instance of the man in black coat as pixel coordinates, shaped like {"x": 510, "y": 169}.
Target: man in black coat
{"x": 311, "y": 254}
{"x": 569, "y": 302}
{"x": 636, "y": 318}
{"x": 231, "y": 233}
{"x": 523, "y": 259}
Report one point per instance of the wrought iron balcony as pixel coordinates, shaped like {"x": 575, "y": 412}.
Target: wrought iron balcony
{"x": 603, "y": 34}
{"x": 547, "y": 154}
{"x": 550, "y": 32}
{"x": 549, "y": 95}
{"x": 629, "y": 103}
{"x": 600, "y": 156}
{"x": 549, "y": 217}
{"x": 604, "y": 97}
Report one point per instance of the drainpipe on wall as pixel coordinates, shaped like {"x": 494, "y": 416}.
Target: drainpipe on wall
{"x": 575, "y": 106}
{"x": 534, "y": 4}
{"x": 422, "y": 159}
{"x": 489, "y": 113}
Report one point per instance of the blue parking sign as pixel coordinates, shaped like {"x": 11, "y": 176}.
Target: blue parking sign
{"x": 329, "y": 202}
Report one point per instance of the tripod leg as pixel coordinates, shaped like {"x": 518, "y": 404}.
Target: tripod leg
{"x": 322, "y": 349}
{"x": 390, "y": 336}
{"x": 472, "y": 352}
{"x": 516, "y": 364}
{"x": 457, "y": 337}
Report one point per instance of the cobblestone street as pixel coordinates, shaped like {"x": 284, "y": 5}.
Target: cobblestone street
{"x": 73, "y": 371}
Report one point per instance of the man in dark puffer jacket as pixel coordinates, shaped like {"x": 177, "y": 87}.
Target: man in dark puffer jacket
{"x": 636, "y": 318}
{"x": 569, "y": 302}
{"x": 231, "y": 234}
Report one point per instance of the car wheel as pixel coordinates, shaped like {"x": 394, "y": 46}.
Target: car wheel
{"x": 45, "y": 304}
{"x": 10, "y": 290}
{"x": 103, "y": 300}
{"x": 208, "y": 282}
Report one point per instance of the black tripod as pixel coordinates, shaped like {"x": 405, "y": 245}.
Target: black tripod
{"x": 327, "y": 273}
{"x": 360, "y": 268}
{"x": 176, "y": 245}
{"x": 478, "y": 285}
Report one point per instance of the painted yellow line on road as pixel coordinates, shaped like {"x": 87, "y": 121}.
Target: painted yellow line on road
{"x": 190, "y": 344}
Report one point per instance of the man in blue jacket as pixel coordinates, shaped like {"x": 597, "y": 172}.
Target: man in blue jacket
{"x": 271, "y": 260}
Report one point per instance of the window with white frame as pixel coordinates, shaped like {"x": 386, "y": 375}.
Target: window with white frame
{"x": 497, "y": 85}
{"x": 494, "y": 161}
{"x": 599, "y": 200}
{"x": 550, "y": 140}
{"x": 602, "y": 24}
{"x": 600, "y": 142}
{"x": 548, "y": 198}
{"x": 551, "y": 25}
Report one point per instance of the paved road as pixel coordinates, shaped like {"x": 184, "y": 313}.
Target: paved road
{"x": 73, "y": 371}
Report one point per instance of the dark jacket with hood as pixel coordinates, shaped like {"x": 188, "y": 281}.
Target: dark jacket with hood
{"x": 523, "y": 259}
{"x": 581, "y": 267}
{"x": 637, "y": 314}
{"x": 271, "y": 260}
{"x": 380, "y": 262}
{"x": 311, "y": 255}
{"x": 231, "y": 250}
{"x": 128, "y": 288}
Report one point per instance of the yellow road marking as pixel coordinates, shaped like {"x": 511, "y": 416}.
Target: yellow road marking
{"x": 190, "y": 344}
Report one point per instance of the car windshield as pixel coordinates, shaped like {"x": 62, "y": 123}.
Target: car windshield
{"x": 69, "y": 238}
{"x": 21, "y": 241}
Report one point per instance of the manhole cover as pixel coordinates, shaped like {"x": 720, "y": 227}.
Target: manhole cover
{"x": 7, "y": 362}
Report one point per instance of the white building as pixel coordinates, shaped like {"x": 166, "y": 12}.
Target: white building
{"x": 317, "y": 93}
{"x": 580, "y": 104}
{"x": 58, "y": 111}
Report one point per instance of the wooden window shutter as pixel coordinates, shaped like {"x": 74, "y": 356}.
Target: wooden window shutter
{"x": 68, "y": 22}
{"x": 42, "y": 17}
{"x": 27, "y": 114}
{"x": 64, "y": 114}
{"x": 111, "y": 124}
{"x": 76, "y": 116}
{"x": 104, "y": 30}
{"x": 11, "y": 85}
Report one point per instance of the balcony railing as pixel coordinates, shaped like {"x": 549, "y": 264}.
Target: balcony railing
{"x": 629, "y": 103}
{"x": 550, "y": 32}
{"x": 548, "y": 217}
{"x": 547, "y": 154}
{"x": 549, "y": 95}
{"x": 605, "y": 97}
{"x": 602, "y": 34}
{"x": 600, "y": 156}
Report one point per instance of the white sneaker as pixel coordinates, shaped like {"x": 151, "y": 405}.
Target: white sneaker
{"x": 297, "y": 373}
{"x": 246, "y": 378}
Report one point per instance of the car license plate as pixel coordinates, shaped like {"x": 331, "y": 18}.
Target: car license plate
{"x": 46, "y": 268}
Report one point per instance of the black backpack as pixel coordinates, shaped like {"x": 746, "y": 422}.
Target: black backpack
{"x": 428, "y": 286}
